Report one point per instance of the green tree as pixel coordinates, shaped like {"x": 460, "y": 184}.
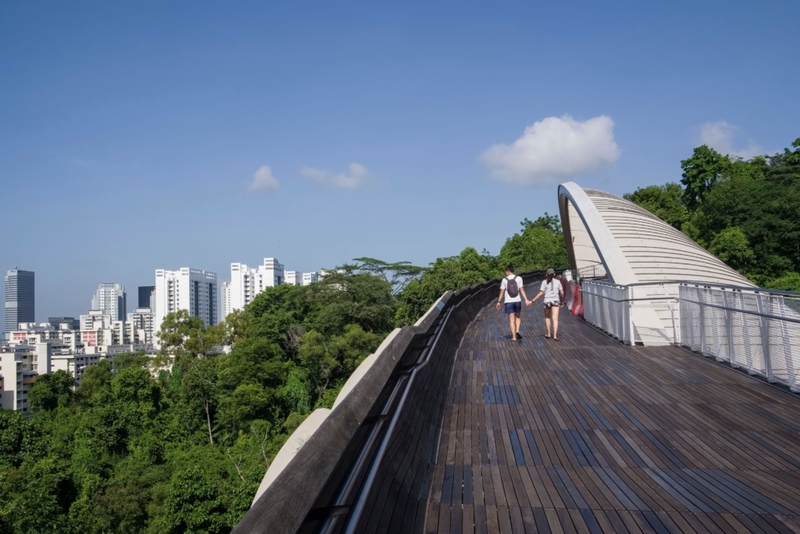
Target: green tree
{"x": 51, "y": 390}
{"x": 182, "y": 336}
{"x": 399, "y": 273}
{"x": 732, "y": 247}
{"x": 445, "y": 274}
{"x": 199, "y": 390}
{"x": 95, "y": 377}
{"x": 42, "y": 499}
{"x": 540, "y": 245}
{"x": 318, "y": 359}
{"x": 787, "y": 282}
{"x": 701, "y": 172}
{"x": 342, "y": 298}
{"x": 194, "y": 505}
{"x": 663, "y": 201}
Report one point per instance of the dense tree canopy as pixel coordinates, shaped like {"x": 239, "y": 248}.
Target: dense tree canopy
{"x": 540, "y": 245}
{"x": 180, "y": 443}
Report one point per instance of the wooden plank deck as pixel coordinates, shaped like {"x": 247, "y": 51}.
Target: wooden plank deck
{"x": 585, "y": 435}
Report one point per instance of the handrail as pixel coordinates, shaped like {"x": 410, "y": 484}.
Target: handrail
{"x": 754, "y": 289}
{"x": 753, "y": 328}
{"x": 710, "y": 305}
{"x": 358, "y": 507}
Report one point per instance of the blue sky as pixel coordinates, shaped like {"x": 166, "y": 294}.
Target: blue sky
{"x": 130, "y": 133}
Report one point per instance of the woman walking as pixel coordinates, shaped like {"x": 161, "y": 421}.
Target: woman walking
{"x": 553, "y": 293}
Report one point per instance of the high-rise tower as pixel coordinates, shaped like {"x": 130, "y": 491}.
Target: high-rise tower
{"x": 111, "y": 300}
{"x": 20, "y": 298}
{"x": 186, "y": 289}
{"x": 145, "y": 294}
{"x": 248, "y": 282}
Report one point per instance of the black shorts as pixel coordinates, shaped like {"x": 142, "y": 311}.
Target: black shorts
{"x": 513, "y": 307}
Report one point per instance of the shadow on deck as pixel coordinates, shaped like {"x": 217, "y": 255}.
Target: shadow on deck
{"x": 587, "y": 435}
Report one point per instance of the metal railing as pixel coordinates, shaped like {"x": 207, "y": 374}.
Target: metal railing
{"x": 755, "y": 329}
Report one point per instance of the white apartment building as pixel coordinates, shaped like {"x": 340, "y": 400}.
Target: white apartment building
{"x": 96, "y": 320}
{"x": 294, "y": 278}
{"x": 226, "y": 299}
{"x": 19, "y": 367}
{"x": 188, "y": 289}
{"x": 111, "y": 300}
{"x": 139, "y": 328}
{"x": 310, "y": 278}
{"x": 248, "y": 282}
{"x": 31, "y": 334}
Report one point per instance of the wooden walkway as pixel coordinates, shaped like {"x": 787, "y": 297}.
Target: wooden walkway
{"x": 587, "y": 435}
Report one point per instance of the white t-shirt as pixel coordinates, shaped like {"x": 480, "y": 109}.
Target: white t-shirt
{"x": 504, "y": 285}
{"x": 551, "y": 290}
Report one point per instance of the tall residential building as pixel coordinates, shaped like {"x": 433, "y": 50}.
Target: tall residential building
{"x": 186, "y": 289}
{"x": 111, "y": 300}
{"x": 247, "y": 282}
{"x": 20, "y": 298}
{"x": 140, "y": 326}
{"x": 96, "y": 320}
{"x": 145, "y": 293}
{"x": 310, "y": 278}
{"x": 19, "y": 367}
{"x": 226, "y": 299}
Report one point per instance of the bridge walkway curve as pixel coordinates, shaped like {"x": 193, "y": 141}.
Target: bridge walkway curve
{"x": 585, "y": 434}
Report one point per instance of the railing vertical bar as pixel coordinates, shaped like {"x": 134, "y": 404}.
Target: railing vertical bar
{"x": 728, "y": 330}
{"x": 764, "y": 324}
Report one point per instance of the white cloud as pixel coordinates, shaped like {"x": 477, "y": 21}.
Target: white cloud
{"x": 263, "y": 179}
{"x": 720, "y": 136}
{"x": 553, "y": 149}
{"x": 352, "y": 179}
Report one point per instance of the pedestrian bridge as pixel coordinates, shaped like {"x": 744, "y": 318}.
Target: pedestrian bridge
{"x": 685, "y": 422}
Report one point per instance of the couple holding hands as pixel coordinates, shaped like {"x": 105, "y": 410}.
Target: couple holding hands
{"x": 510, "y": 290}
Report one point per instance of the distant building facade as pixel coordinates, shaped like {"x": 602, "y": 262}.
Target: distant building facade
{"x": 19, "y": 368}
{"x": 111, "y": 300}
{"x": 67, "y": 323}
{"x": 310, "y": 278}
{"x": 293, "y": 278}
{"x": 248, "y": 282}
{"x": 188, "y": 289}
{"x": 20, "y": 298}
{"x": 145, "y": 294}
{"x": 140, "y": 326}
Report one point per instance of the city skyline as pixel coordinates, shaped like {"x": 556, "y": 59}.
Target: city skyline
{"x": 104, "y": 290}
{"x": 195, "y": 137}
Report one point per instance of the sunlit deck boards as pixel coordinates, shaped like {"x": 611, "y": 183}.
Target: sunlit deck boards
{"x": 587, "y": 435}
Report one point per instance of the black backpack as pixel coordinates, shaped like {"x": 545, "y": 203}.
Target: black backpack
{"x": 511, "y": 287}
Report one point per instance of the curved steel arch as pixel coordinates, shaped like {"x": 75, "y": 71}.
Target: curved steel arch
{"x": 632, "y": 244}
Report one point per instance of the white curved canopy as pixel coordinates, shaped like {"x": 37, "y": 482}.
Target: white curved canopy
{"x": 610, "y": 236}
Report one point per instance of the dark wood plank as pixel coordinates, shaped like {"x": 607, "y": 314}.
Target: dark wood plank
{"x": 587, "y": 435}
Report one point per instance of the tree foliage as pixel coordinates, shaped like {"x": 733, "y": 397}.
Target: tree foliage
{"x": 746, "y": 212}
{"x": 445, "y": 274}
{"x": 538, "y": 246}
{"x": 184, "y": 451}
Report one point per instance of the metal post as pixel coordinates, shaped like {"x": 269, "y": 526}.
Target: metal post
{"x": 748, "y": 350}
{"x": 629, "y": 318}
{"x": 728, "y": 330}
{"x": 702, "y": 321}
{"x": 764, "y": 323}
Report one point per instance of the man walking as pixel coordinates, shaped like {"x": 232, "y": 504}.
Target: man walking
{"x": 510, "y": 290}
